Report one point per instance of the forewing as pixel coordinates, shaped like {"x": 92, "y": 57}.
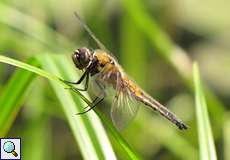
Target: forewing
{"x": 88, "y": 30}
{"x": 96, "y": 86}
{"x": 124, "y": 109}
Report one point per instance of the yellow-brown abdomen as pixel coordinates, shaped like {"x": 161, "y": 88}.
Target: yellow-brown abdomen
{"x": 133, "y": 88}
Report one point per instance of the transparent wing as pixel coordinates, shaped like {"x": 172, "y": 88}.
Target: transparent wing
{"x": 124, "y": 109}
{"x": 88, "y": 30}
{"x": 124, "y": 106}
{"x": 100, "y": 88}
{"x": 97, "y": 86}
{"x": 99, "y": 82}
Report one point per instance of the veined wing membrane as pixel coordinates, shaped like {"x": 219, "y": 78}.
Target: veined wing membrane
{"x": 124, "y": 106}
{"x": 97, "y": 86}
{"x": 88, "y": 30}
{"x": 124, "y": 109}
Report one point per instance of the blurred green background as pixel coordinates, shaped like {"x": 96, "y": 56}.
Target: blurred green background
{"x": 154, "y": 41}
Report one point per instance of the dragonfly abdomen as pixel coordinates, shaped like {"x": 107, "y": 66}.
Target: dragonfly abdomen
{"x": 155, "y": 105}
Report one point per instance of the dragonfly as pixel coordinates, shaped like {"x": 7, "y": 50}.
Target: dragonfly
{"x": 101, "y": 67}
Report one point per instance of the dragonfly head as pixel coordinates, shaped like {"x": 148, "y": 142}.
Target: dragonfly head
{"x": 81, "y": 57}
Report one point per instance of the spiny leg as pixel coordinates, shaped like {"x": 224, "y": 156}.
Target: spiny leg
{"x": 92, "y": 102}
{"x": 97, "y": 100}
{"x": 85, "y": 74}
{"x": 93, "y": 106}
{"x": 85, "y": 87}
{"x": 80, "y": 80}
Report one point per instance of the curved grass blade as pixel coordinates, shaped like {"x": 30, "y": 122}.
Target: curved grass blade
{"x": 87, "y": 129}
{"x": 12, "y": 96}
{"x": 30, "y": 68}
{"x": 206, "y": 142}
{"x": 85, "y": 137}
{"x": 60, "y": 65}
{"x": 127, "y": 149}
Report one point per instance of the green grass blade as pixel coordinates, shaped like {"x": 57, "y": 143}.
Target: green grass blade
{"x": 206, "y": 142}
{"x": 28, "y": 67}
{"x": 38, "y": 71}
{"x": 89, "y": 150}
{"x": 226, "y": 136}
{"x": 31, "y": 68}
{"x": 131, "y": 154}
{"x": 12, "y": 96}
{"x": 87, "y": 129}
{"x": 67, "y": 71}
{"x": 52, "y": 78}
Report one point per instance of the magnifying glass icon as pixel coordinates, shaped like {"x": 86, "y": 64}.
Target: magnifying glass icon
{"x": 9, "y": 147}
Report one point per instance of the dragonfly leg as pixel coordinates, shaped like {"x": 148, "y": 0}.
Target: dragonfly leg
{"x": 80, "y": 80}
{"x": 92, "y": 102}
{"x": 85, "y": 87}
{"x": 85, "y": 74}
{"x": 93, "y": 106}
{"x": 95, "y": 102}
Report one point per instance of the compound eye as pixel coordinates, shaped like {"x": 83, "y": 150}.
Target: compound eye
{"x": 81, "y": 58}
{"x": 75, "y": 58}
{"x": 75, "y": 55}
